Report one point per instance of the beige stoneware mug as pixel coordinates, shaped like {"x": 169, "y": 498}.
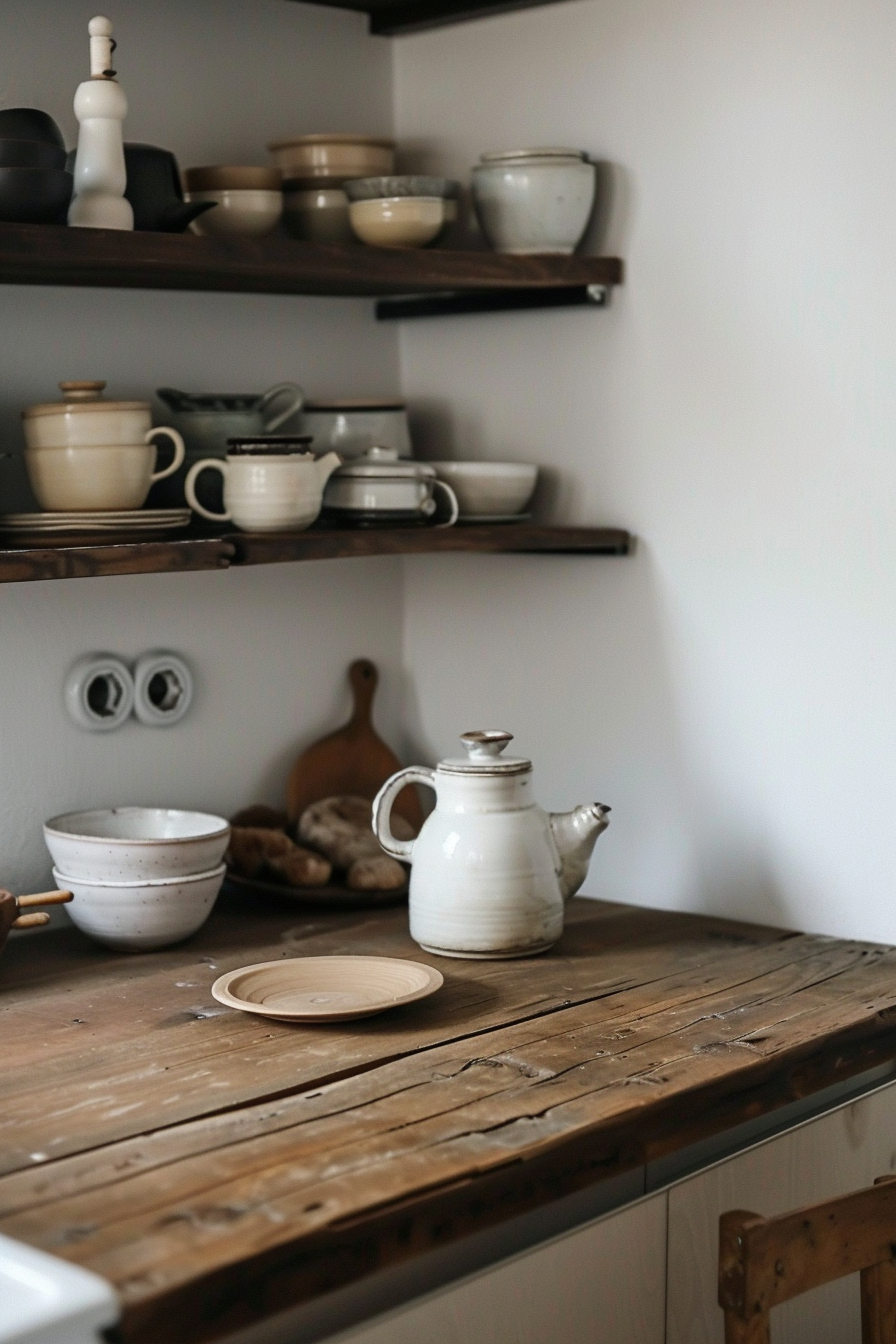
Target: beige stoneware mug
{"x": 270, "y": 484}
{"x": 75, "y": 478}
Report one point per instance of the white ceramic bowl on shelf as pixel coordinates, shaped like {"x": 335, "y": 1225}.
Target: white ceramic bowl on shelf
{"x": 238, "y": 211}
{"x": 489, "y": 488}
{"x": 398, "y": 221}
{"x": 136, "y": 844}
{"x": 142, "y": 916}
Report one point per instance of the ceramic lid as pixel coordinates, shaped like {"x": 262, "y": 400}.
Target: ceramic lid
{"x": 84, "y": 396}
{"x": 270, "y": 445}
{"x": 384, "y": 464}
{"x": 551, "y": 152}
{"x": 484, "y": 747}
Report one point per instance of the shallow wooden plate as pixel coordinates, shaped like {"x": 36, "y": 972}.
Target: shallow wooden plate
{"x": 334, "y": 895}
{"x": 325, "y": 989}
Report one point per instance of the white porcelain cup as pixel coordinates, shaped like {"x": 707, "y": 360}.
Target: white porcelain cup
{"x": 266, "y": 492}
{"x": 83, "y": 477}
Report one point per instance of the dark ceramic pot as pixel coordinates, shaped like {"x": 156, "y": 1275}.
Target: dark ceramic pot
{"x": 30, "y": 154}
{"x": 29, "y": 123}
{"x": 155, "y": 193}
{"x": 34, "y": 195}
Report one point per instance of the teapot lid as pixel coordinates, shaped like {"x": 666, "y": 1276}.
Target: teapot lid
{"x": 82, "y": 396}
{"x": 384, "y": 464}
{"x": 484, "y": 747}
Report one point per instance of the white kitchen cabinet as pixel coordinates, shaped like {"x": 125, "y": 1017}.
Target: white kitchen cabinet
{"x": 601, "y": 1284}
{"x": 829, "y": 1156}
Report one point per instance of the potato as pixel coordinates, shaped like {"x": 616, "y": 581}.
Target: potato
{"x": 378, "y": 874}
{"x": 251, "y": 847}
{"x": 259, "y": 815}
{"x": 302, "y": 868}
{"x": 341, "y": 827}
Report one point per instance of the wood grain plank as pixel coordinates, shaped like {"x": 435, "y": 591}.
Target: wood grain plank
{"x": 162, "y": 1051}
{"x": 526, "y": 538}
{"x": 23, "y": 564}
{"x": 219, "y": 1168}
{"x": 37, "y": 254}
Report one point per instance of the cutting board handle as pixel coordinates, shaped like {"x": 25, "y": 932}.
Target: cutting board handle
{"x": 363, "y": 677}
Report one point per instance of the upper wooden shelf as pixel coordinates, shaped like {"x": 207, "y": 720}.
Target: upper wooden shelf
{"x": 34, "y": 254}
{"x": 410, "y": 16}
{"x": 95, "y": 559}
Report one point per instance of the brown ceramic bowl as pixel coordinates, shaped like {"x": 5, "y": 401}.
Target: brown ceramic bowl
{"x": 329, "y": 160}
{"x": 224, "y": 177}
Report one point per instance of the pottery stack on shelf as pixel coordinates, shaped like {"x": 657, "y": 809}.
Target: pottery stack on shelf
{"x": 248, "y": 199}
{"x": 143, "y": 877}
{"x": 91, "y": 464}
{"x": 315, "y": 169}
{"x": 35, "y": 187}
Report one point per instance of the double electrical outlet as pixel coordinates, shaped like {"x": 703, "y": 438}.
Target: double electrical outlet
{"x": 102, "y": 691}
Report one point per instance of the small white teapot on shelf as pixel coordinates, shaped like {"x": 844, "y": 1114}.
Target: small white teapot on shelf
{"x": 490, "y": 870}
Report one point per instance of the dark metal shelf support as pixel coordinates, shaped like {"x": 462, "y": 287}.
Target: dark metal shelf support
{"x": 492, "y": 301}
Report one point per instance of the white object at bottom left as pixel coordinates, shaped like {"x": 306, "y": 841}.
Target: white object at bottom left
{"x": 48, "y": 1301}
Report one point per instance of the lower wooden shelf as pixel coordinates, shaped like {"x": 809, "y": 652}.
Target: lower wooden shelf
{"x": 21, "y": 564}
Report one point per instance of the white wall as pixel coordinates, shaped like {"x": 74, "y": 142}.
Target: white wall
{"x": 730, "y": 690}
{"x": 213, "y": 81}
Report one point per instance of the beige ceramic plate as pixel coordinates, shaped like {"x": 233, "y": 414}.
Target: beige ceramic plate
{"x": 325, "y": 989}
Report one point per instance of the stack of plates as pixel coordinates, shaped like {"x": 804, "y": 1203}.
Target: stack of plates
{"x": 123, "y": 520}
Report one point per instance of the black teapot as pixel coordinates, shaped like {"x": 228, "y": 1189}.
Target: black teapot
{"x": 154, "y": 190}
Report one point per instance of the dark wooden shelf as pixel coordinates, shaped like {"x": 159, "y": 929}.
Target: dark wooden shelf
{"x": 411, "y": 16}
{"x": 91, "y": 559}
{"x": 34, "y": 254}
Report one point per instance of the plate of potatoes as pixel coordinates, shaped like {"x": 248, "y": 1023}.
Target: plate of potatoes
{"x": 329, "y": 857}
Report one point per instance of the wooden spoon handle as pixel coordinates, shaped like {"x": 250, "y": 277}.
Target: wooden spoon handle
{"x": 363, "y": 676}
{"x": 45, "y": 898}
{"x": 30, "y": 921}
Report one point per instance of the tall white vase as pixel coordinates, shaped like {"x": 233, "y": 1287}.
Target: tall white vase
{"x": 100, "y": 174}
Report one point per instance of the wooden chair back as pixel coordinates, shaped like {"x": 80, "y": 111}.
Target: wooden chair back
{"x": 766, "y": 1261}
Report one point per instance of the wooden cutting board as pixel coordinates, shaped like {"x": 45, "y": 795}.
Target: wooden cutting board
{"x": 354, "y": 759}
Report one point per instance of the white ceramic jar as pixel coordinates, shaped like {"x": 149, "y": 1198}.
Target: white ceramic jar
{"x": 531, "y": 201}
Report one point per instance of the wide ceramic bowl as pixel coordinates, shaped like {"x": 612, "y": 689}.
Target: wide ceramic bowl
{"x": 244, "y": 211}
{"x": 141, "y": 916}
{"x": 328, "y": 160}
{"x": 380, "y": 188}
{"x": 534, "y": 201}
{"x": 30, "y": 123}
{"x": 489, "y": 488}
{"x": 398, "y": 221}
{"x": 136, "y": 844}
{"x": 30, "y": 154}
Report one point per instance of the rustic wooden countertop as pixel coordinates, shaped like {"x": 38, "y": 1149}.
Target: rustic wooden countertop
{"x": 218, "y": 1167}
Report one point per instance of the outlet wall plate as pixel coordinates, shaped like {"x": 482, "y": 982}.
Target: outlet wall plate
{"x": 99, "y": 692}
{"x": 163, "y": 689}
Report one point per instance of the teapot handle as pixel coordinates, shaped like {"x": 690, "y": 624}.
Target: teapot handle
{"x": 382, "y": 808}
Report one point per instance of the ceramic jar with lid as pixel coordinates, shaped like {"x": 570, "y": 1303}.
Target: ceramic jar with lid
{"x": 85, "y": 417}
{"x": 377, "y": 489}
{"x": 531, "y": 201}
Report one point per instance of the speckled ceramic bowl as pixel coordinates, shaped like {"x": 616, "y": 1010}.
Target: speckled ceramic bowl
{"x": 141, "y": 916}
{"x": 136, "y": 844}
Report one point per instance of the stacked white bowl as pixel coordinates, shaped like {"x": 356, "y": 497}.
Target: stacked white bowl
{"x": 142, "y": 877}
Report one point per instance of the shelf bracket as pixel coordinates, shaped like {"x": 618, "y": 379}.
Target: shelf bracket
{"x": 450, "y": 302}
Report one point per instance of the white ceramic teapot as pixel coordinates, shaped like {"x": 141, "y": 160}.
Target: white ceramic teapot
{"x": 490, "y": 870}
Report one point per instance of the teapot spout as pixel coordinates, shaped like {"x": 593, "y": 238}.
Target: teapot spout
{"x": 575, "y": 834}
{"x": 326, "y": 466}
